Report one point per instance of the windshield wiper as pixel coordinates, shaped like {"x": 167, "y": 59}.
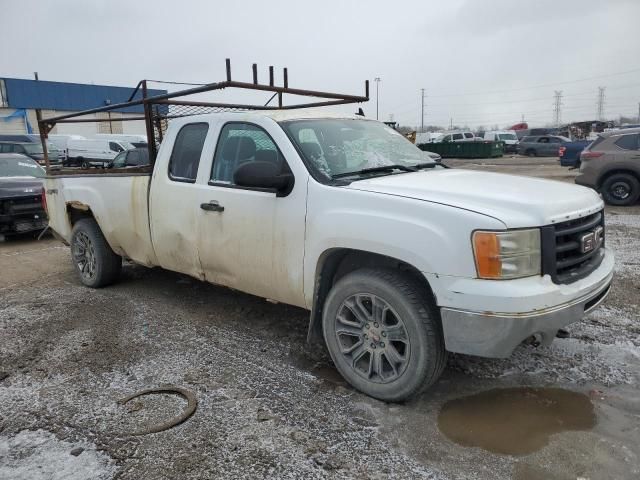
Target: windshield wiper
{"x": 420, "y": 166}
{"x": 384, "y": 168}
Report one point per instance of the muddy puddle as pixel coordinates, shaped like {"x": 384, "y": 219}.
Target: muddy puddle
{"x": 514, "y": 421}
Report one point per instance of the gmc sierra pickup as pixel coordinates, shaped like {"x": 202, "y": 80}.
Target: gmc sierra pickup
{"x": 398, "y": 258}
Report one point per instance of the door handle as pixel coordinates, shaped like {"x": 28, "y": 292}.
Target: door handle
{"x": 212, "y": 206}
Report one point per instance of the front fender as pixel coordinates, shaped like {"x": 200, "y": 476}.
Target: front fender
{"x": 432, "y": 238}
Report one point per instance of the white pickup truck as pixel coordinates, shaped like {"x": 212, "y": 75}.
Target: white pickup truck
{"x": 398, "y": 258}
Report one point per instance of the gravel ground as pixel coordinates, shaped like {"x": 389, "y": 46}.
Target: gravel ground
{"x": 269, "y": 407}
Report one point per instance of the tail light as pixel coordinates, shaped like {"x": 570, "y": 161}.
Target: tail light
{"x": 43, "y": 200}
{"x": 589, "y": 154}
{"x": 561, "y": 151}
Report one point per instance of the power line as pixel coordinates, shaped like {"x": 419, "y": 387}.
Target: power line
{"x": 538, "y": 86}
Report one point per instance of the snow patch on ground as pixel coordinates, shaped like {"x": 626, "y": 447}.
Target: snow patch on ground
{"x": 35, "y": 455}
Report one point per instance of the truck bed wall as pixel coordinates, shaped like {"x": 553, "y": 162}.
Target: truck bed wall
{"x": 119, "y": 203}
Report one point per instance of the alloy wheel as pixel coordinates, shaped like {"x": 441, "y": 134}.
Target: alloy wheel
{"x": 372, "y": 338}
{"x": 84, "y": 255}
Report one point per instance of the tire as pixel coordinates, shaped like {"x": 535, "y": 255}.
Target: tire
{"x": 531, "y": 153}
{"x": 620, "y": 189}
{"x": 410, "y": 362}
{"x": 94, "y": 261}
{"x": 83, "y": 163}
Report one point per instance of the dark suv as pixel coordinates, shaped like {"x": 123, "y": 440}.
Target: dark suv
{"x": 541, "y": 145}
{"x": 611, "y": 165}
{"x": 33, "y": 150}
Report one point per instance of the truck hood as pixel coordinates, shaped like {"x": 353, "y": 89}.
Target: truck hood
{"x": 13, "y": 187}
{"x": 514, "y": 200}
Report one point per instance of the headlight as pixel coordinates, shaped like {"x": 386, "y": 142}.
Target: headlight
{"x": 505, "y": 255}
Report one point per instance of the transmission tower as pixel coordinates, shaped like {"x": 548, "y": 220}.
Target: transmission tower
{"x": 557, "y": 104}
{"x": 422, "y": 112}
{"x": 601, "y": 103}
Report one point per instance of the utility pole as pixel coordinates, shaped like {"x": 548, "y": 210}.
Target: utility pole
{"x": 422, "y": 112}
{"x": 450, "y": 123}
{"x": 601, "y": 103}
{"x": 377, "y": 80}
{"x": 638, "y": 112}
{"x": 557, "y": 104}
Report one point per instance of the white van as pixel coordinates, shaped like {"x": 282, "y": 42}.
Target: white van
{"x": 95, "y": 152}
{"x": 458, "y": 136}
{"x": 61, "y": 141}
{"x": 138, "y": 141}
{"x": 509, "y": 137}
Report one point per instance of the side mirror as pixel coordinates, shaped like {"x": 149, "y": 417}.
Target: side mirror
{"x": 263, "y": 175}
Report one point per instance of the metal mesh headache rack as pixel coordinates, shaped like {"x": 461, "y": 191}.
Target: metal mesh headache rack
{"x": 159, "y": 109}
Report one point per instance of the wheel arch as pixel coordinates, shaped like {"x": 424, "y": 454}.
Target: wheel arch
{"x": 334, "y": 264}
{"x": 77, "y": 211}
{"x": 614, "y": 171}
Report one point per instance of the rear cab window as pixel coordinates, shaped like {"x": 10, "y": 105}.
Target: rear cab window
{"x": 187, "y": 150}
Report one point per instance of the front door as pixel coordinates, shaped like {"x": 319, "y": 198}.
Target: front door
{"x": 251, "y": 239}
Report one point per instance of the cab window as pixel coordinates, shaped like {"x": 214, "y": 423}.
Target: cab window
{"x": 240, "y": 143}
{"x": 187, "y": 150}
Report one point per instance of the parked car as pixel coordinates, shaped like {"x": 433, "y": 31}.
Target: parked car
{"x": 136, "y": 157}
{"x": 541, "y": 145}
{"x": 32, "y": 150}
{"x": 569, "y": 152}
{"x": 611, "y": 165}
{"x": 94, "y": 152}
{"x": 21, "y": 195}
{"x": 509, "y": 138}
{"x": 459, "y": 136}
{"x": 138, "y": 141}
{"x": 398, "y": 258}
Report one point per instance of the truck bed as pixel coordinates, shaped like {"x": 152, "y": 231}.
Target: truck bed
{"x": 118, "y": 202}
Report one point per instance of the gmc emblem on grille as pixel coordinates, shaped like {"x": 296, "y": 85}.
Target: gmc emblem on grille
{"x": 592, "y": 240}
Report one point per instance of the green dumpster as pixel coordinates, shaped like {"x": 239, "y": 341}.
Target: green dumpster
{"x": 465, "y": 149}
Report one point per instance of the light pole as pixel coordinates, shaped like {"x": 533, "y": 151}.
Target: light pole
{"x": 377, "y": 80}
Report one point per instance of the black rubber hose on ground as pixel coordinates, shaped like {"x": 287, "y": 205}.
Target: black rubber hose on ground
{"x": 192, "y": 404}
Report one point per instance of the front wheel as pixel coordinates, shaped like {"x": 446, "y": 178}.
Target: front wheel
{"x": 383, "y": 333}
{"x": 531, "y": 152}
{"x": 621, "y": 189}
{"x": 95, "y": 263}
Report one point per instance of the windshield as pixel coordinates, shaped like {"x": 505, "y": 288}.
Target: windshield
{"x": 32, "y": 148}
{"x": 507, "y": 136}
{"x": 341, "y": 146}
{"x": 11, "y": 167}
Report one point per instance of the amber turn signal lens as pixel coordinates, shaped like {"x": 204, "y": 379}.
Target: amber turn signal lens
{"x": 486, "y": 246}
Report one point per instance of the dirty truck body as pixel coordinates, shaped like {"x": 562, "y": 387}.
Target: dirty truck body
{"x": 396, "y": 266}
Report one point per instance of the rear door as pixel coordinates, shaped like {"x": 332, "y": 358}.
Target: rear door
{"x": 174, "y": 208}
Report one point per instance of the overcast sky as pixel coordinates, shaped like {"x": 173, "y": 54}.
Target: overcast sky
{"x": 481, "y": 62}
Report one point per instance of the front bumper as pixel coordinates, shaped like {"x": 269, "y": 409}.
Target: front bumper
{"x": 491, "y": 318}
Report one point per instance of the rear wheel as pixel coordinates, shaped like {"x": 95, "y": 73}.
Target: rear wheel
{"x": 620, "y": 189}
{"x": 95, "y": 263}
{"x": 383, "y": 333}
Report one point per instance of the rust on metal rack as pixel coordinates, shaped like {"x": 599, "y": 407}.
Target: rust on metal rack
{"x": 161, "y": 108}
